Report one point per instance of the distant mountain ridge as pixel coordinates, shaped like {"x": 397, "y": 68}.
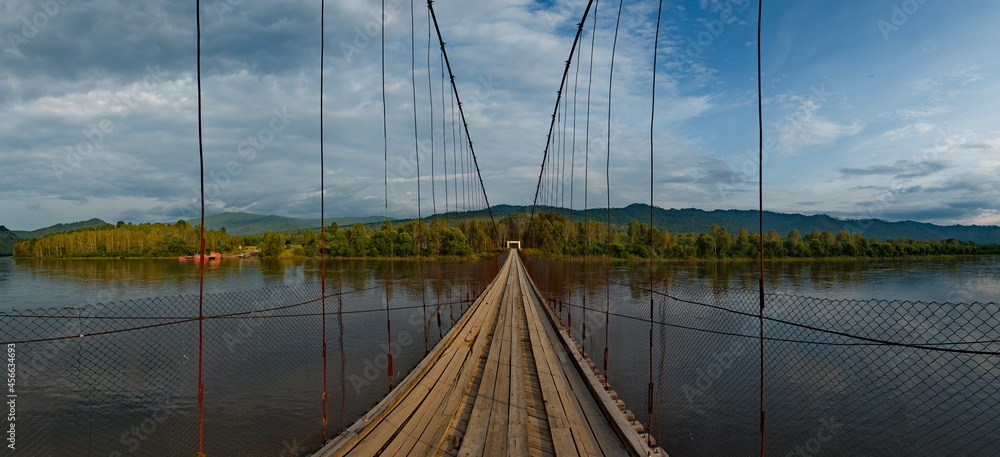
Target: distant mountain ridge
{"x": 691, "y": 220}
{"x": 60, "y": 228}
{"x": 687, "y": 220}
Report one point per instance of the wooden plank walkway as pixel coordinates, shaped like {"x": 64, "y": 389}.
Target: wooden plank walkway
{"x": 505, "y": 380}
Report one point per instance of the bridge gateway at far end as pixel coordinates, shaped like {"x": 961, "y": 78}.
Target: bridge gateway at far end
{"x": 505, "y": 380}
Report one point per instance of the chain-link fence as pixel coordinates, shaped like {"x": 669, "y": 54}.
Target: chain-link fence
{"x": 840, "y": 377}
{"x": 121, "y": 378}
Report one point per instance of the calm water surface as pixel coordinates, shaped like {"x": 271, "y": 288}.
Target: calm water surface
{"x": 32, "y": 283}
{"x": 264, "y": 379}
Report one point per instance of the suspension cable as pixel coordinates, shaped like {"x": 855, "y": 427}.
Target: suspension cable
{"x": 322, "y": 214}
{"x": 652, "y": 247}
{"x": 465, "y": 123}
{"x": 385, "y": 184}
{"x": 416, "y": 157}
{"x": 607, "y": 177}
{"x": 201, "y": 240}
{"x": 760, "y": 212}
{"x": 430, "y": 98}
{"x": 562, "y": 84}
{"x": 444, "y": 138}
{"x": 586, "y": 175}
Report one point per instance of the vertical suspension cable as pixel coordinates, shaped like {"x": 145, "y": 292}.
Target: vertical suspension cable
{"x": 561, "y": 177}
{"x": 555, "y": 110}
{"x": 454, "y": 154}
{"x": 416, "y": 157}
{"x": 760, "y": 213}
{"x": 465, "y": 124}
{"x": 572, "y": 171}
{"x": 652, "y": 245}
{"x": 201, "y": 260}
{"x": 340, "y": 337}
{"x": 586, "y": 178}
{"x": 562, "y": 167}
{"x": 322, "y": 214}
{"x": 607, "y": 177}
{"x": 465, "y": 186}
{"x": 430, "y": 98}
{"x": 572, "y": 163}
{"x": 385, "y": 186}
{"x": 444, "y": 137}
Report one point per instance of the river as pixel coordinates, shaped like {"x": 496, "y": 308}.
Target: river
{"x": 133, "y": 393}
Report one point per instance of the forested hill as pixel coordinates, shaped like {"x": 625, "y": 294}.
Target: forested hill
{"x": 248, "y": 223}
{"x": 60, "y": 228}
{"x": 692, "y": 220}
{"x": 7, "y": 239}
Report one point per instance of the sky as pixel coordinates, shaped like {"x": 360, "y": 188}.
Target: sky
{"x": 871, "y": 108}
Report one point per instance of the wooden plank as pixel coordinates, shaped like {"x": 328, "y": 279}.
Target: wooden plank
{"x": 360, "y": 429}
{"x": 559, "y": 423}
{"x": 451, "y": 412}
{"x": 496, "y": 436}
{"x": 572, "y": 414}
{"x": 517, "y": 413}
{"x": 475, "y": 381}
{"x": 413, "y": 434}
{"x": 634, "y": 444}
{"x": 589, "y": 436}
{"x": 392, "y": 425}
{"x": 562, "y": 441}
{"x": 474, "y": 441}
{"x": 426, "y": 429}
{"x": 401, "y": 430}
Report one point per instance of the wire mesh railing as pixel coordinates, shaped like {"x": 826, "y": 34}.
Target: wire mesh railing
{"x": 841, "y": 376}
{"x": 120, "y": 378}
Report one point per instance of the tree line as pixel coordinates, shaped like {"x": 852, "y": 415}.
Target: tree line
{"x": 554, "y": 236}
{"x": 124, "y": 240}
{"x": 437, "y": 238}
{"x": 548, "y": 234}
{"x": 410, "y": 239}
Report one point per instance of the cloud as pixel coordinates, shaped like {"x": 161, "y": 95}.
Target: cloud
{"x": 900, "y": 169}
{"x": 131, "y": 65}
{"x": 808, "y": 129}
{"x": 922, "y": 113}
{"x": 909, "y": 129}
{"x": 976, "y": 146}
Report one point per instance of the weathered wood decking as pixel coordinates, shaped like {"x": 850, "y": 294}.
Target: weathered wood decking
{"x": 504, "y": 381}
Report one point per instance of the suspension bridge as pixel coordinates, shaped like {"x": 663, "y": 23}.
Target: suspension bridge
{"x": 511, "y": 354}
{"x": 506, "y": 380}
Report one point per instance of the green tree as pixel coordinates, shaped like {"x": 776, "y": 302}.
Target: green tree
{"x": 273, "y": 244}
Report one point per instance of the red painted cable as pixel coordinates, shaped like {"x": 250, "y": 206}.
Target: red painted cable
{"x": 201, "y": 263}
